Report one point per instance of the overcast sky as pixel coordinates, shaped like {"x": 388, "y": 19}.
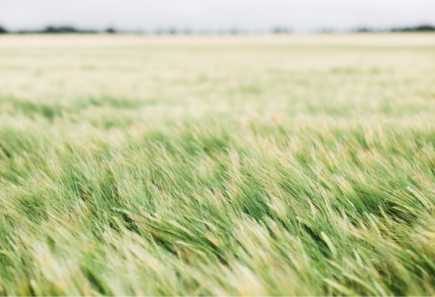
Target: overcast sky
{"x": 299, "y": 15}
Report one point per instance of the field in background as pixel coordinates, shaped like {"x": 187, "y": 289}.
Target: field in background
{"x": 248, "y": 165}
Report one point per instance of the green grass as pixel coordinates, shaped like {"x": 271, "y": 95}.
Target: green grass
{"x": 217, "y": 166}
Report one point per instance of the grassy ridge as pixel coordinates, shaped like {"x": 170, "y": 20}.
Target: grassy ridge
{"x": 233, "y": 166}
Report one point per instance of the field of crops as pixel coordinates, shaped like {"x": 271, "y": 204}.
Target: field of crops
{"x": 225, "y": 165}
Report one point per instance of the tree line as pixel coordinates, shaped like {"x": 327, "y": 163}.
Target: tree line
{"x": 173, "y": 31}
{"x": 57, "y": 30}
{"x": 419, "y": 28}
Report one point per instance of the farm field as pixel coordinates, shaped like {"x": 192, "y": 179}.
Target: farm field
{"x": 225, "y": 165}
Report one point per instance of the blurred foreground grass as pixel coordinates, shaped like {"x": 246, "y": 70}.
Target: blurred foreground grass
{"x": 299, "y": 165}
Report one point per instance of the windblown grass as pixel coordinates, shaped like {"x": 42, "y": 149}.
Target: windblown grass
{"x": 217, "y": 166}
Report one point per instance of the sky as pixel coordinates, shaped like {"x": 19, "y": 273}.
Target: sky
{"x": 215, "y": 15}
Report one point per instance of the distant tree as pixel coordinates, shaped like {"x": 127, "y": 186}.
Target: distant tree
{"x": 425, "y": 28}
{"x": 281, "y": 30}
{"x": 62, "y": 29}
{"x": 111, "y": 30}
{"x": 398, "y": 30}
{"x": 49, "y": 29}
{"x": 3, "y": 30}
{"x": 363, "y": 30}
{"x": 420, "y": 28}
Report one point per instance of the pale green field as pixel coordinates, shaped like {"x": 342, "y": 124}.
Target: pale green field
{"x": 255, "y": 165}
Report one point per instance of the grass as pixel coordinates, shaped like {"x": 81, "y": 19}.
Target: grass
{"x": 299, "y": 165}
